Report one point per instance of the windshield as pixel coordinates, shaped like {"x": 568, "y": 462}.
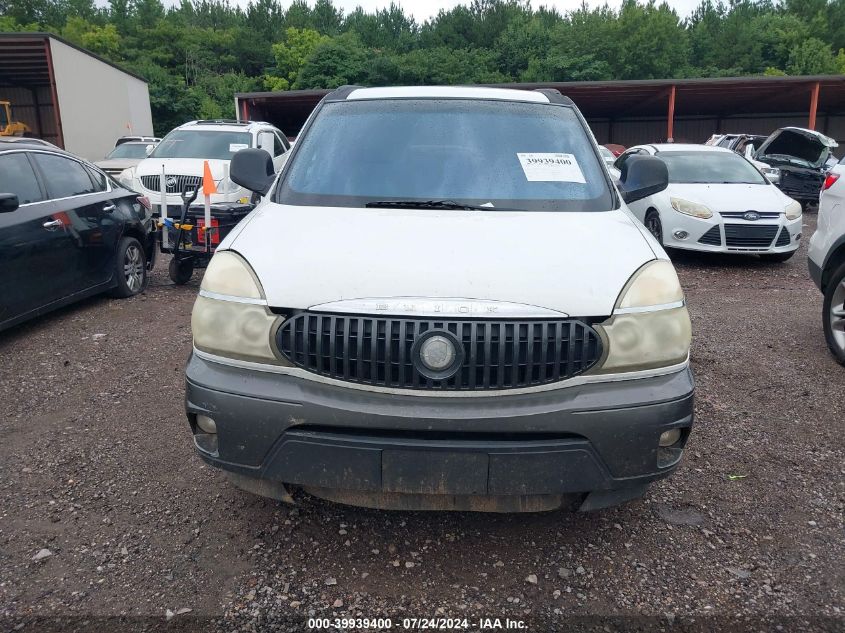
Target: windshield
{"x": 208, "y": 144}
{"x": 710, "y": 167}
{"x": 129, "y": 150}
{"x": 495, "y": 154}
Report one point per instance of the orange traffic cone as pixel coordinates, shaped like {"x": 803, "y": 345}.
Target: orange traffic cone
{"x": 208, "y": 186}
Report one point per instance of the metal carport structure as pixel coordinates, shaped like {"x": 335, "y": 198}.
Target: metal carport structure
{"x": 641, "y": 111}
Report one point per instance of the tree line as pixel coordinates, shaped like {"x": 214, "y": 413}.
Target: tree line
{"x": 197, "y": 54}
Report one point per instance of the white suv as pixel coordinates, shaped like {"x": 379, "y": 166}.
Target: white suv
{"x": 827, "y": 258}
{"x": 443, "y": 302}
{"x": 182, "y": 152}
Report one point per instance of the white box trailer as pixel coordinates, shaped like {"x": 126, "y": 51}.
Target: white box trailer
{"x": 69, "y": 96}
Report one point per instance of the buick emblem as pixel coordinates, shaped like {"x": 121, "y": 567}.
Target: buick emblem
{"x": 751, "y": 216}
{"x": 437, "y": 354}
{"x": 171, "y": 181}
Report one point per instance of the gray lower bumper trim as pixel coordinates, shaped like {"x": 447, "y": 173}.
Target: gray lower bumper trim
{"x": 592, "y": 437}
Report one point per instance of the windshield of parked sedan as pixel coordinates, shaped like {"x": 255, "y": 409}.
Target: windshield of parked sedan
{"x": 129, "y": 150}
{"x": 710, "y": 168}
{"x": 208, "y": 144}
{"x": 493, "y": 154}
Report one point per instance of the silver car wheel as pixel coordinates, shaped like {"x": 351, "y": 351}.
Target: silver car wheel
{"x": 133, "y": 268}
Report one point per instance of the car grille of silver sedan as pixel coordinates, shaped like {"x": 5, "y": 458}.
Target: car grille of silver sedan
{"x": 488, "y": 354}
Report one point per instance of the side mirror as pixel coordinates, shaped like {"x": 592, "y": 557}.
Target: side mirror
{"x": 8, "y": 202}
{"x": 252, "y": 169}
{"x": 265, "y": 142}
{"x": 642, "y": 176}
{"x": 149, "y": 149}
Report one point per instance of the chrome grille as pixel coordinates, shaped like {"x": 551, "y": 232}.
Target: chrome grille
{"x": 496, "y": 354}
{"x": 178, "y": 184}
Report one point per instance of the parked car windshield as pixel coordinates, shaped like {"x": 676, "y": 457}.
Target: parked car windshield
{"x": 710, "y": 167}
{"x": 209, "y": 144}
{"x": 495, "y": 154}
{"x": 129, "y": 150}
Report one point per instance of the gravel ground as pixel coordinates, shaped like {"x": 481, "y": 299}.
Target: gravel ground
{"x": 108, "y": 517}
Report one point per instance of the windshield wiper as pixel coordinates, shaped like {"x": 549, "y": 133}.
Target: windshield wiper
{"x": 427, "y": 204}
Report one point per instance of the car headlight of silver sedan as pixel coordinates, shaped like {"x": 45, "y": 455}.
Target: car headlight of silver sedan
{"x": 650, "y": 326}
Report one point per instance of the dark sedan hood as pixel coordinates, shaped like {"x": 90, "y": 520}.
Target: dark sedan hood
{"x": 796, "y": 146}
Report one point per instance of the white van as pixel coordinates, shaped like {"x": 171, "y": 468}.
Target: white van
{"x": 443, "y": 302}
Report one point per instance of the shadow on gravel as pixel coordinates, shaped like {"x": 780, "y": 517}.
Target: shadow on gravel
{"x": 49, "y": 320}
{"x": 724, "y": 260}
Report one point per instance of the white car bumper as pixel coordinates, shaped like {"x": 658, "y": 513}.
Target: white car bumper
{"x": 174, "y": 201}
{"x": 730, "y": 234}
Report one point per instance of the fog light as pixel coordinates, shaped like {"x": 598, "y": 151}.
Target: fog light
{"x": 207, "y": 425}
{"x": 670, "y": 437}
{"x": 680, "y": 235}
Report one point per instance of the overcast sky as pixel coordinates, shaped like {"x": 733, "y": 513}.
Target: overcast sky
{"x": 424, "y": 9}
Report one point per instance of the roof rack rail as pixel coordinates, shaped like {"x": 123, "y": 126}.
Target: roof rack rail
{"x": 221, "y": 122}
{"x": 555, "y": 95}
{"x": 340, "y": 94}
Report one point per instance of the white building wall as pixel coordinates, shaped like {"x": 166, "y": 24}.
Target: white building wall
{"x": 97, "y": 102}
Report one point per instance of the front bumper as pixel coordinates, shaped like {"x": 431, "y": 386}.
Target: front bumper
{"x": 697, "y": 229}
{"x": 578, "y": 439}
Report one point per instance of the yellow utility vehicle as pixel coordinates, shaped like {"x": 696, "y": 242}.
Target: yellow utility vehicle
{"x": 8, "y": 126}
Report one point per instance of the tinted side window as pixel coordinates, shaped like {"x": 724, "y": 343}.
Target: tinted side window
{"x": 17, "y": 177}
{"x": 99, "y": 179}
{"x": 64, "y": 177}
{"x": 278, "y": 146}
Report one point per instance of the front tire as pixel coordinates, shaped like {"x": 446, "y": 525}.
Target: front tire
{"x": 833, "y": 316}
{"x": 777, "y": 257}
{"x": 130, "y": 268}
{"x": 654, "y": 225}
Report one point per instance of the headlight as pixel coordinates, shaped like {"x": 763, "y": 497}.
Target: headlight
{"x": 772, "y": 173}
{"x": 793, "y": 210}
{"x": 230, "y": 317}
{"x": 127, "y": 177}
{"x": 650, "y": 326}
{"x": 227, "y": 186}
{"x": 694, "y": 209}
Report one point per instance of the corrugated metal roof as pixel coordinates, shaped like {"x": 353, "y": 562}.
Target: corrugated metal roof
{"x": 649, "y": 97}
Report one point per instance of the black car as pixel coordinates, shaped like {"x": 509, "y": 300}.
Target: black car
{"x": 67, "y": 231}
{"x": 801, "y": 155}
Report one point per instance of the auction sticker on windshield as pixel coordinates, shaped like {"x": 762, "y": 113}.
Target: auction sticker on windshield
{"x": 236, "y": 147}
{"x": 543, "y": 167}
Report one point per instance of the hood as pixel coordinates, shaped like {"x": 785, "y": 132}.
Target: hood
{"x": 796, "y": 146}
{"x": 740, "y": 197}
{"x": 180, "y": 167}
{"x": 575, "y": 263}
{"x": 117, "y": 164}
